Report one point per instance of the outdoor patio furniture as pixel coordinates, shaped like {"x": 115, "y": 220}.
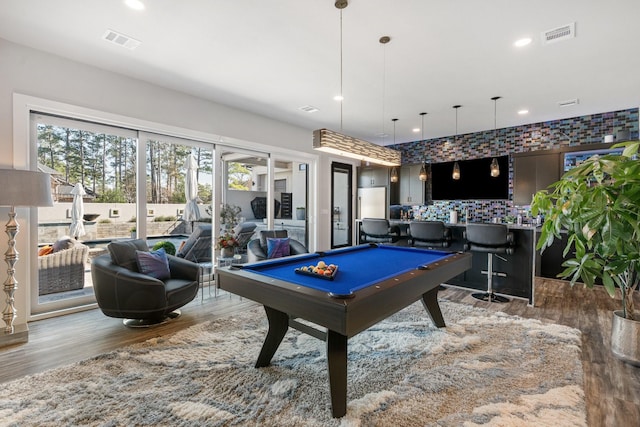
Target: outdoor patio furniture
{"x": 63, "y": 270}
{"x": 243, "y": 233}
{"x": 259, "y": 207}
{"x": 257, "y": 249}
{"x": 197, "y": 247}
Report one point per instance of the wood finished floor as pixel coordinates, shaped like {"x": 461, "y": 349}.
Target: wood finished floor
{"x": 612, "y": 388}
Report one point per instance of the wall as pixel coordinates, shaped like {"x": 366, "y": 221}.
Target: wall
{"x": 556, "y": 134}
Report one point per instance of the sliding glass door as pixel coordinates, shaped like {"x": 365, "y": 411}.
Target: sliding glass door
{"x": 168, "y": 162}
{"x": 93, "y": 183}
{"x": 263, "y": 190}
{"x": 110, "y": 183}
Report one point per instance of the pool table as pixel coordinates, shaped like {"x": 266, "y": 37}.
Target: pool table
{"x": 372, "y": 282}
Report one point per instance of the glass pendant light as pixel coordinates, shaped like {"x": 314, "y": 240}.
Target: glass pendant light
{"x": 423, "y": 170}
{"x": 456, "y": 167}
{"x": 495, "y": 168}
{"x": 394, "y": 170}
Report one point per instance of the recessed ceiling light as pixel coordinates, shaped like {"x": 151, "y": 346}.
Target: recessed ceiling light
{"x": 134, "y": 4}
{"x": 522, "y": 42}
{"x": 338, "y": 98}
{"x": 523, "y": 112}
{"x": 415, "y": 130}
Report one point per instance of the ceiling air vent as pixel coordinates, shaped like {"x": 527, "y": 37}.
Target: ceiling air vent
{"x": 120, "y": 39}
{"x": 568, "y": 102}
{"x": 559, "y": 34}
{"x": 309, "y": 109}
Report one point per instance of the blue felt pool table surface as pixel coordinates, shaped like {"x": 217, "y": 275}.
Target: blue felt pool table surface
{"x": 358, "y": 266}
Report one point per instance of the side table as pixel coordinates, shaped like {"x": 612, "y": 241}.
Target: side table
{"x": 205, "y": 276}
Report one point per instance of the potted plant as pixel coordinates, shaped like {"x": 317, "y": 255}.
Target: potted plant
{"x": 169, "y": 247}
{"x": 597, "y": 204}
{"x": 229, "y": 215}
{"x": 227, "y": 244}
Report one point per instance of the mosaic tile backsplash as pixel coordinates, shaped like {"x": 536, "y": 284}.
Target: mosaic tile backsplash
{"x": 571, "y": 132}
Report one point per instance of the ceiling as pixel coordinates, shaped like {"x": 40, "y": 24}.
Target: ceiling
{"x": 273, "y": 57}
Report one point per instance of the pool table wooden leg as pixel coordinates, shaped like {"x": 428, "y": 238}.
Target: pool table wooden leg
{"x": 430, "y": 303}
{"x": 278, "y": 326}
{"x": 337, "y": 364}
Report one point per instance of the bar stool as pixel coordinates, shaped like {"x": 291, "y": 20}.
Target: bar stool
{"x": 492, "y": 239}
{"x": 378, "y": 230}
{"x": 432, "y": 234}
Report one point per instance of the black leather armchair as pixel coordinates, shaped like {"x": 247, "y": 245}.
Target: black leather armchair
{"x": 378, "y": 230}
{"x": 257, "y": 248}
{"x": 123, "y": 292}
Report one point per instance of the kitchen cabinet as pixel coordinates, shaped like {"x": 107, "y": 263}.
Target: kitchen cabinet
{"x": 411, "y": 188}
{"x": 373, "y": 176}
{"x": 532, "y": 172}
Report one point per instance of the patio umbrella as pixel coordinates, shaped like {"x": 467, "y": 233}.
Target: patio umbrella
{"x": 77, "y": 212}
{"x": 191, "y": 210}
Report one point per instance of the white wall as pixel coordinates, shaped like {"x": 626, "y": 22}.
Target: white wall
{"x": 38, "y": 74}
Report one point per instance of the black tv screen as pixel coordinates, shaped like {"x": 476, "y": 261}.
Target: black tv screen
{"x": 475, "y": 183}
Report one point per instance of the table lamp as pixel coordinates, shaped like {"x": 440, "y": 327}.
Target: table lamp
{"x": 26, "y": 189}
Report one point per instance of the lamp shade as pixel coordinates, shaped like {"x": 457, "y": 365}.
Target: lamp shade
{"x": 25, "y": 188}
{"x": 423, "y": 173}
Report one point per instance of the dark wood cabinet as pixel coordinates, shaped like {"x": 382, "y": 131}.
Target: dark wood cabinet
{"x": 532, "y": 172}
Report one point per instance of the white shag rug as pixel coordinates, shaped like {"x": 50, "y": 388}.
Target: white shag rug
{"x": 483, "y": 369}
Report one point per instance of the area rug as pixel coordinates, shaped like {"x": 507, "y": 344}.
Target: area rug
{"x": 484, "y": 368}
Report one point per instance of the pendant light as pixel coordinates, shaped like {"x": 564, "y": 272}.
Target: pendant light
{"x": 394, "y": 170}
{"x": 495, "y": 168}
{"x": 337, "y": 143}
{"x": 423, "y": 170}
{"x": 456, "y": 167}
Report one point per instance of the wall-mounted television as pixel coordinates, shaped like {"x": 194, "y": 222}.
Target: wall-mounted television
{"x": 475, "y": 181}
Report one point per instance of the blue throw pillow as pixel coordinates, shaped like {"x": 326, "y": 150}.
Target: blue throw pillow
{"x": 277, "y": 248}
{"x": 154, "y": 264}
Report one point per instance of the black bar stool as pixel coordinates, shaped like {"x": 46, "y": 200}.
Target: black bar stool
{"x": 492, "y": 239}
{"x": 432, "y": 234}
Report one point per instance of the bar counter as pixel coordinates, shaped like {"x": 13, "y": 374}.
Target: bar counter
{"x": 521, "y": 267}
